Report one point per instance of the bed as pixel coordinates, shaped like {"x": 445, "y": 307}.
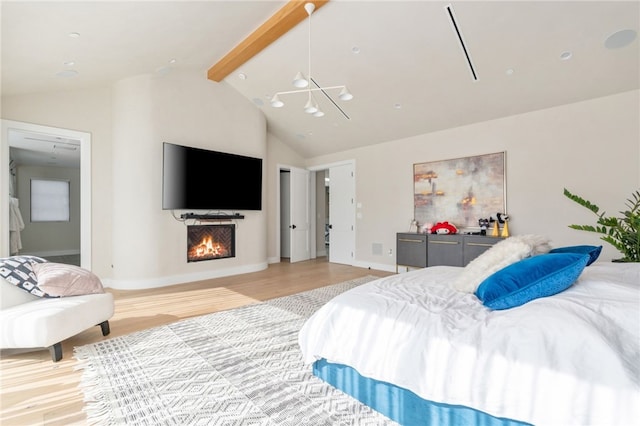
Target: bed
{"x": 422, "y": 352}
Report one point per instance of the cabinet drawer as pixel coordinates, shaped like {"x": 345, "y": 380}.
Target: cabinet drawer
{"x": 411, "y": 250}
{"x": 444, "y": 250}
{"x": 475, "y": 245}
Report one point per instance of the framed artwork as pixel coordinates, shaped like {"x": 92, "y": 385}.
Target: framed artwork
{"x": 460, "y": 190}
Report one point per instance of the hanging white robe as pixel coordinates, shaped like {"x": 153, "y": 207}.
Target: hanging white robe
{"x": 16, "y": 224}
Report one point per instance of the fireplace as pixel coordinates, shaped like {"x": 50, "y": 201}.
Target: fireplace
{"x": 207, "y": 242}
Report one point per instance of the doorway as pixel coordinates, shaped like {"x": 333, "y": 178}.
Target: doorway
{"x": 294, "y": 222}
{"x": 36, "y": 143}
{"x": 333, "y": 225}
{"x": 341, "y": 213}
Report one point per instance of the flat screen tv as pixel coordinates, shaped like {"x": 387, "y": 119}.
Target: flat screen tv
{"x": 201, "y": 179}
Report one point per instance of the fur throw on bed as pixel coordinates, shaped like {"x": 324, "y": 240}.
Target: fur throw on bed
{"x": 499, "y": 256}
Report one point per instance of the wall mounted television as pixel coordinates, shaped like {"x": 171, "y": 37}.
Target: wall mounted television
{"x": 201, "y": 179}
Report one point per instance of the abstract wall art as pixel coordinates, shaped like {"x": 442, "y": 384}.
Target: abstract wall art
{"x": 460, "y": 190}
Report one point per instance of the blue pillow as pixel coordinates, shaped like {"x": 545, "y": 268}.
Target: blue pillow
{"x": 592, "y": 251}
{"x": 537, "y": 276}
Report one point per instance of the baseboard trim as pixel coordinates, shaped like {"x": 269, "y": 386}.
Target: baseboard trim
{"x": 180, "y": 279}
{"x": 376, "y": 266}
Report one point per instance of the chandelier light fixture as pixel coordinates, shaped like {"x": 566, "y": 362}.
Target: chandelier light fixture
{"x": 304, "y": 83}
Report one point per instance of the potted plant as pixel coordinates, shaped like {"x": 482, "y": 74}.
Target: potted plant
{"x": 621, "y": 232}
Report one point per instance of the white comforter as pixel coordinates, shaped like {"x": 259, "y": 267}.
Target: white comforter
{"x": 573, "y": 358}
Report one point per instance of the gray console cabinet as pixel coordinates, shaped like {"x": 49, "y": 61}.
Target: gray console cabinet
{"x": 422, "y": 250}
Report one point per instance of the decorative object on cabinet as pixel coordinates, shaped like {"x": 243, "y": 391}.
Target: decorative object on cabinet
{"x": 444, "y": 228}
{"x": 460, "y": 189}
{"x": 484, "y": 225}
{"x": 503, "y": 218}
{"x": 621, "y": 232}
{"x": 495, "y": 232}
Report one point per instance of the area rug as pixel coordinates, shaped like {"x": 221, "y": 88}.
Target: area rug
{"x": 237, "y": 367}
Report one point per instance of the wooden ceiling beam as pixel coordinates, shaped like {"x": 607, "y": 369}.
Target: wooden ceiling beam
{"x": 282, "y": 21}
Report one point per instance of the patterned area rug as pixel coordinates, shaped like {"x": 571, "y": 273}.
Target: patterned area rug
{"x": 237, "y": 367}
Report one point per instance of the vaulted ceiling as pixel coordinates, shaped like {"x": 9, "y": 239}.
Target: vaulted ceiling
{"x": 402, "y": 60}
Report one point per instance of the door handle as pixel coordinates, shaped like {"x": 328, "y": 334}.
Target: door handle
{"x": 292, "y": 227}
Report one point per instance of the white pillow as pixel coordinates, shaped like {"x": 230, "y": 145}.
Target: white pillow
{"x": 500, "y": 255}
{"x": 58, "y": 279}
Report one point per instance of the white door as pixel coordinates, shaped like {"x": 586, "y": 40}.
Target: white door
{"x": 342, "y": 214}
{"x": 285, "y": 214}
{"x": 300, "y": 225}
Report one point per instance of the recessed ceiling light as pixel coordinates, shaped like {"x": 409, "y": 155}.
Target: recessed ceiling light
{"x": 566, "y": 55}
{"x": 355, "y": 49}
{"x": 69, "y": 64}
{"x": 397, "y": 106}
{"x": 173, "y": 60}
{"x": 67, "y": 73}
{"x": 242, "y": 76}
{"x": 74, "y": 35}
{"x": 509, "y": 71}
{"x": 164, "y": 70}
{"x": 620, "y": 39}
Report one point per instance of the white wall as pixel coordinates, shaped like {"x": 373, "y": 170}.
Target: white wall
{"x": 149, "y": 245}
{"x": 592, "y": 148}
{"x": 128, "y": 124}
{"x": 86, "y": 111}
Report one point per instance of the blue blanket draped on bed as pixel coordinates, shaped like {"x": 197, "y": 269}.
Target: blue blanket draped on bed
{"x": 399, "y": 404}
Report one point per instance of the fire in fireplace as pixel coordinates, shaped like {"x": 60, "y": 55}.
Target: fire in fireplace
{"x": 207, "y": 242}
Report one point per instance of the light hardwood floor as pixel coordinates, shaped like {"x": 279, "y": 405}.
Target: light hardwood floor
{"x": 37, "y": 391}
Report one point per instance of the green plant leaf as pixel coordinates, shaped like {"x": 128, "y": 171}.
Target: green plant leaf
{"x": 621, "y": 232}
{"x": 581, "y": 201}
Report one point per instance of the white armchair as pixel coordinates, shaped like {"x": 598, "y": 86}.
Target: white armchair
{"x": 28, "y": 321}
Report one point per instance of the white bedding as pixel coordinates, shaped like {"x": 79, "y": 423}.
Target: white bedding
{"x": 573, "y": 358}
